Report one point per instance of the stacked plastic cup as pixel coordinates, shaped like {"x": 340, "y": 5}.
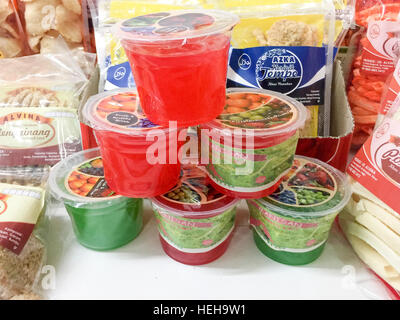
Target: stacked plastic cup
{"x": 179, "y": 61}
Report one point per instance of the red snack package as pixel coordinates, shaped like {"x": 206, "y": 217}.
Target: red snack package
{"x": 378, "y": 47}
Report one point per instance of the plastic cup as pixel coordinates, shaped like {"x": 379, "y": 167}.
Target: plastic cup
{"x": 179, "y": 61}
{"x": 101, "y": 219}
{"x": 140, "y": 158}
{"x": 250, "y": 147}
{"x": 195, "y": 221}
{"x": 291, "y": 226}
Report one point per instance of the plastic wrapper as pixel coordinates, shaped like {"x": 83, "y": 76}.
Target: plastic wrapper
{"x": 45, "y": 20}
{"x": 289, "y": 48}
{"x": 371, "y": 221}
{"x": 115, "y": 71}
{"x": 39, "y": 103}
{"x": 374, "y": 62}
{"x": 22, "y": 240}
{"x": 391, "y": 95}
{"x": 12, "y": 39}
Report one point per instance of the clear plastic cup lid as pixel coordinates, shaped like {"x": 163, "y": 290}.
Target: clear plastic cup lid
{"x": 175, "y": 25}
{"x": 80, "y": 178}
{"x": 310, "y": 189}
{"x": 118, "y": 111}
{"x": 260, "y": 112}
{"x": 193, "y": 195}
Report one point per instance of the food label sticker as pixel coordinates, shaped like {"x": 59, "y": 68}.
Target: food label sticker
{"x": 192, "y": 188}
{"x": 381, "y": 48}
{"x": 20, "y": 208}
{"x": 254, "y": 111}
{"x": 87, "y": 180}
{"x": 195, "y": 235}
{"x": 166, "y": 23}
{"x": 249, "y": 170}
{"x": 307, "y": 184}
{"x": 289, "y": 234}
{"x": 122, "y": 110}
{"x": 281, "y": 69}
{"x": 38, "y": 136}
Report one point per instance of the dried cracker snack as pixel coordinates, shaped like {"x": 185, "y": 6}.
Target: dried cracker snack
{"x": 22, "y": 251}
{"x": 48, "y": 19}
{"x": 11, "y": 35}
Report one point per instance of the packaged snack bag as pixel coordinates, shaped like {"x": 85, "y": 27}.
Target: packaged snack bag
{"x": 373, "y": 63}
{"x": 45, "y": 20}
{"x": 39, "y": 103}
{"x": 289, "y": 48}
{"x": 391, "y": 94}
{"x": 371, "y": 221}
{"x": 22, "y": 248}
{"x": 11, "y": 34}
{"x": 115, "y": 71}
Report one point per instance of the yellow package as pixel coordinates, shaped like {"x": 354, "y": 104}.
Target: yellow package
{"x": 286, "y": 46}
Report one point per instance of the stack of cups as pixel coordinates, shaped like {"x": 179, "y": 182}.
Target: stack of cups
{"x": 248, "y": 137}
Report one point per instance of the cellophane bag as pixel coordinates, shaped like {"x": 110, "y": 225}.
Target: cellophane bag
{"x": 371, "y": 220}
{"x": 45, "y": 20}
{"x": 12, "y": 37}
{"x": 287, "y": 46}
{"x": 391, "y": 94}
{"x": 115, "y": 70}
{"x": 22, "y": 235}
{"x": 378, "y": 46}
{"x": 39, "y": 103}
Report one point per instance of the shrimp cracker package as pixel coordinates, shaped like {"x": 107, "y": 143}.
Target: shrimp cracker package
{"x": 374, "y": 62}
{"x": 115, "y": 71}
{"x": 288, "y": 47}
{"x": 45, "y": 20}
{"x": 22, "y": 250}
{"x": 371, "y": 221}
{"x": 11, "y": 34}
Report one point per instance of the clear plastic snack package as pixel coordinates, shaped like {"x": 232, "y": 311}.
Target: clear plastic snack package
{"x": 373, "y": 64}
{"x": 22, "y": 240}
{"x": 115, "y": 71}
{"x": 12, "y": 38}
{"x": 39, "y": 103}
{"x": 371, "y": 221}
{"x": 45, "y": 20}
{"x": 287, "y": 46}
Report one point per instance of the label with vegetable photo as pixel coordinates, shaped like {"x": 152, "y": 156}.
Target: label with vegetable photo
{"x": 87, "y": 180}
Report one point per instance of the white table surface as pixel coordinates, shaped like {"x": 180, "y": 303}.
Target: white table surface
{"x": 141, "y": 270}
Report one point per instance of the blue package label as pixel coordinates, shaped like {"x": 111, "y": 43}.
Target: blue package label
{"x": 119, "y": 76}
{"x": 298, "y": 72}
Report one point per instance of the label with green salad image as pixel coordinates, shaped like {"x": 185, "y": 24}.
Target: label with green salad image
{"x": 298, "y": 222}
{"x": 195, "y": 235}
{"x": 265, "y": 166}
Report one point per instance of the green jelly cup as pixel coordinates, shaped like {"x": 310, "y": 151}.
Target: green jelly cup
{"x": 292, "y": 225}
{"x": 101, "y": 219}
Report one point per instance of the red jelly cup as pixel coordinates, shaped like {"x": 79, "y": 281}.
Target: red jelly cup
{"x": 179, "y": 62}
{"x": 140, "y": 158}
{"x": 195, "y": 221}
{"x": 250, "y": 147}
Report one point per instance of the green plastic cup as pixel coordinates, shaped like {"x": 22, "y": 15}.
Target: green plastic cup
{"x": 292, "y": 225}
{"x": 101, "y": 219}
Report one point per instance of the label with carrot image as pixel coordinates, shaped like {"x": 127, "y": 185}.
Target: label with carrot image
{"x": 87, "y": 180}
{"x": 248, "y": 110}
